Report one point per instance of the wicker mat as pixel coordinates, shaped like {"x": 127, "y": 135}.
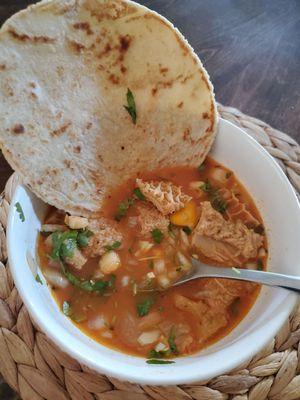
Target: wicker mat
{"x": 37, "y": 369}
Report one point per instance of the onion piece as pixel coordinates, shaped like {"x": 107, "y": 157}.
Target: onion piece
{"x": 55, "y": 278}
{"x": 49, "y": 228}
{"x": 148, "y": 337}
{"x": 109, "y": 262}
{"x": 163, "y": 281}
{"x": 159, "y": 266}
{"x": 125, "y": 281}
{"x": 97, "y": 323}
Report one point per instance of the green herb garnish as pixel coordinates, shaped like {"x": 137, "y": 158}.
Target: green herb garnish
{"x": 138, "y": 194}
{"x": 206, "y": 187}
{"x": 122, "y": 208}
{"x": 83, "y": 238}
{"x": 20, "y": 211}
{"x": 260, "y": 265}
{"x": 171, "y": 341}
{"x": 64, "y": 244}
{"x": 38, "y": 279}
{"x": 201, "y": 167}
{"x": 99, "y": 287}
{"x": 187, "y": 230}
{"x": 157, "y": 235}
{"x": 113, "y": 246}
{"x": 131, "y": 108}
{"x": 217, "y": 202}
{"x": 155, "y": 361}
{"x": 67, "y": 310}
{"x": 144, "y": 306}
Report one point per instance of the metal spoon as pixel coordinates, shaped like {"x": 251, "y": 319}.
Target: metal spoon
{"x": 201, "y": 270}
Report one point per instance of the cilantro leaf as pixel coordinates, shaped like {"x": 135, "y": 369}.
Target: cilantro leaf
{"x": 144, "y": 306}
{"x": 156, "y": 361}
{"x": 20, "y": 211}
{"x": 64, "y": 244}
{"x": 206, "y": 187}
{"x": 131, "y": 107}
{"x": 138, "y": 194}
{"x": 113, "y": 246}
{"x": 66, "y": 308}
{"x": 83, "y": 237}
{"x": 38, "y": 279}
{"x": 157, "y": 235}
{"x": 122, "y": 208}
{"x": 187, "y": 230}
{"x": 99, "y": 287}
{"x": 218, "y": 203}
{"x": 171, "y": 341}
{"x": 260, "y": 265}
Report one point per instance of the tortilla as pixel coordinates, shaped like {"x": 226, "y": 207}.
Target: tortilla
{"x": 65, "y": 69}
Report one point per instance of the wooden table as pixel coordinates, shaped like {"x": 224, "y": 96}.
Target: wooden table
{"x": 250, "y": 48}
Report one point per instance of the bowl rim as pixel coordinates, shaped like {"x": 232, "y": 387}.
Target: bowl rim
{"x": 154, "y": 377}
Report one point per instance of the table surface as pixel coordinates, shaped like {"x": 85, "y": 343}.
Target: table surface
{"x": 251, "y": 50}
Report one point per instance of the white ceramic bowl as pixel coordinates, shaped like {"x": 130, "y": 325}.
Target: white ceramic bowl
{"x": 279, "y": 207}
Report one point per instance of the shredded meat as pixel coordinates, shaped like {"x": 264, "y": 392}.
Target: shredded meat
{"x": 211, "y": 323}
{"x": 224, "y": 240}
{"x": 150, "y": 218}
{"x": 196, "y": 308}
{"x": 236, "y": 210}
{"x": 165, "y": 196}
{"x": 104, "y": 233}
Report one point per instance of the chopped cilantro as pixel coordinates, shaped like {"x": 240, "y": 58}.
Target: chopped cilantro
{"x": 158, "y": 354}
{"x": 83, "y": 237}
{"x": 66, "y": 308}
{"x": 187, "y": 230}
{"x": 138, "y": 194}
{"x": 131, "y": 108}
{"x": 20, "y": 211}
{"x": 99, "y": 287}
{"x": 155, "y": 361}
{"x": 122, "y": 208}
{"x": 260, "y": 265}
{"x": 113, "y": 246}
{"x": 217, "y": 202}
{"x": 64, "y": 244}
{"x": 201, "y": 167}
{"x": 171, "y": 341}
{"x": 206, "y": 187}
{"x": 157, "y": 235}
{"x": 144, "y": 306}
{"x": 38, "y": 279}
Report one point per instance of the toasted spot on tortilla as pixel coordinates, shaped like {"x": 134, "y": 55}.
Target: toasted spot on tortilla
{"x": 2, "y": 67}
{"x": 84, "y": 26}
{"x": 24, "y": 37}
{"x": 77, "y": 149}
{"x": 18, "y": 128}
{"x": 61, "y": 130}
{"x": 78, "y": 47}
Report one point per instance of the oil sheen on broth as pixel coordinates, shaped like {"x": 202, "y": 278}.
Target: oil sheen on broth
{"x": 102, "y": 272}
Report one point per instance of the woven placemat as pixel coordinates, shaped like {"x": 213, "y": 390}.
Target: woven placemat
{"x": 35, "y": 368}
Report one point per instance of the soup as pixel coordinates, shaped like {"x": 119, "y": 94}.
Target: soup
{"x": 112, "y": 276}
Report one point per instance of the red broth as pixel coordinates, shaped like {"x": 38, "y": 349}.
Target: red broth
{"x": 167, "y": 323}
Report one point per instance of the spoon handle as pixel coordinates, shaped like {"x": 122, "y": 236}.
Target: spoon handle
{"x": 265, "y": 278}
